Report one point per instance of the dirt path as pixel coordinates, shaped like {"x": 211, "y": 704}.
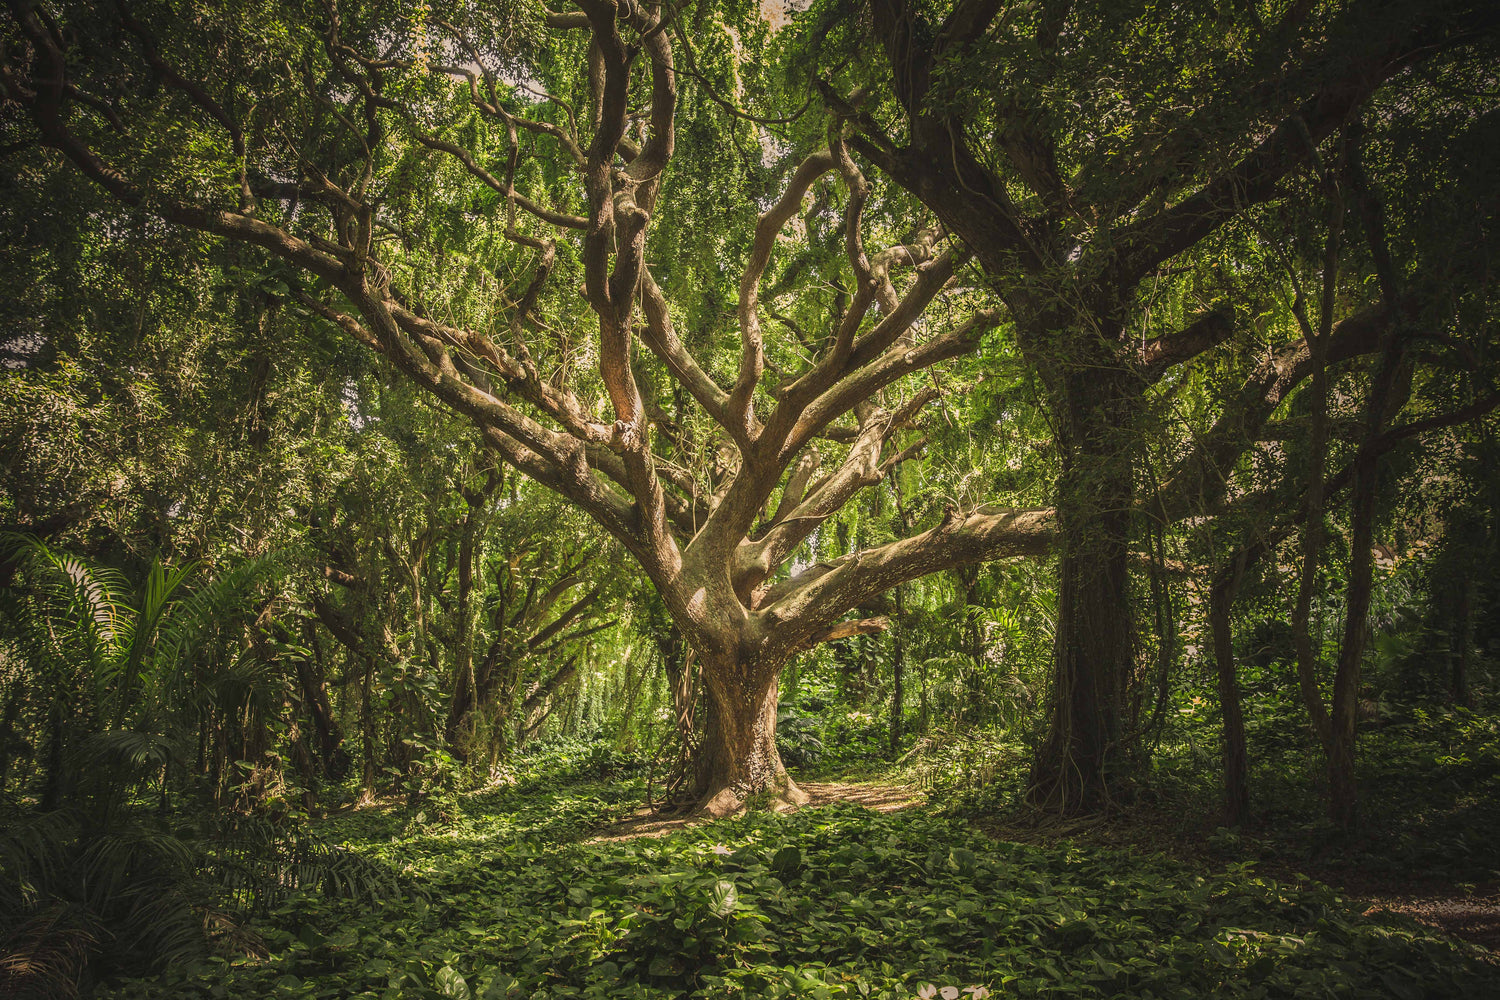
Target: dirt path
{"x": 1469, "y": 913}
{"x": 870, "y": 794}
{"x": 1475, "y": 919}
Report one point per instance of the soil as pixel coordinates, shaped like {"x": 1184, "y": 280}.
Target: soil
{"x": 1475, "y": 919}
{"x": 871, "y": 794}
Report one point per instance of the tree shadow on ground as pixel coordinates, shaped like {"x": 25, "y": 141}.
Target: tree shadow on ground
{"x": 876, "y": 796}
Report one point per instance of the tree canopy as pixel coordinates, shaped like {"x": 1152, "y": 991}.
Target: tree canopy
{"x": 476, "y": 364}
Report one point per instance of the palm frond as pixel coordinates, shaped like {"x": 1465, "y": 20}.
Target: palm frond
{"x": 198, "y": 616}
{"x": 130, "y": 752}
{"x": 155, "y": 603}
{"x": 156, "y": 922}
{"x": 44, "y": 954}
{"x": 259, "y": 863}
{"x": 34, "y": 851}
{"x": 200, "y": 612}
{"x": 92, "y": 597}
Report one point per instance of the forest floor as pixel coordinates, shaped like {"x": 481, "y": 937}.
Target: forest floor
{"x": 556, "y": 886}
{"x": 1425, "y": 847}
{"x": 878, "y": 796}
{"x": 1475, "y": 919}
{"x": 1466, "y": 911}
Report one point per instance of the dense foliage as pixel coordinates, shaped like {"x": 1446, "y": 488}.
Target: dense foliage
{"x": 511, "y": 899}
{"x": 430, "y": 431}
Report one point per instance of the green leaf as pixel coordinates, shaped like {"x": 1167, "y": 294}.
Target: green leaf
{"x": 723, "y": 897}
{"x": 451, "y": 984}
{"x": 787, "y": 860}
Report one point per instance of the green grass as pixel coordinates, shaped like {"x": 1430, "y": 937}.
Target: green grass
{"x": 508, "y": 900}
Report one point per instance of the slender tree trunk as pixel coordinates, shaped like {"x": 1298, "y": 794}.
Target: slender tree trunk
{"x": 1342, "y": 792}
{"x": 925, "y": 706}
{"x": 465, "y": 693}
{"x": 898, "y": 688}
{"x": 217, "y": 754}
{"x": 367, "y": 728}
{"x": 738, "y": 756}
{"x": 1312, "y": 548}
{"x": 1389, "y": 389}
{"x": 54, "y": 778}
{"x": 538, "y": 704}
{"x": 302, "y": 756}
{"x": 635, "y": 680}
{"x": 1385, "y": 395}
{"x": 333, "y": 760}
{"x": 1462, "y": 642}
{"x": 1236, "y": 756}
{"x": 1166, "y": 633}
{"x": 898, "y": 634}
{"x": 977, "y": 708}
{"x": 8, "y": 734}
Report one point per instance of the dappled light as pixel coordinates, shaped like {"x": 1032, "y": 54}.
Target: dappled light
{"x": 777, "y": 498}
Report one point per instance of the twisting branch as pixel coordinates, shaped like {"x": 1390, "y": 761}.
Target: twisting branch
{"x": 1200, "y": 479}
{"x": 752, "y": 349}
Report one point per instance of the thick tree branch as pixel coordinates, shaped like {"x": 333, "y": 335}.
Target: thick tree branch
{"x": 1199, "y": 480}
{"x": 817, "y": 597}
{"x": 1161, "y": 354}
{"x": 752, "y": 343}
{"x": 1143, "y": 245}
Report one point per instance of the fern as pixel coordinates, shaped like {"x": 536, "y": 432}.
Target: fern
{"x": 96, "y": 887}
{"x": 258, "y": 863}
{"x": 45, "y": 954}
{"x": 197, "y": 620}
{"x": 129, "y": 897}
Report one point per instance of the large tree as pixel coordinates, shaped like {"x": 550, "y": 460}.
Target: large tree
{"x": 1093, "y": 156}
{"x": 311, "y": 138}
{"x": 608, "y": 238}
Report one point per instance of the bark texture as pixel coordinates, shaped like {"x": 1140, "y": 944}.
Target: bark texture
{"x": 719, "y": 541}
{"x": 738, "y": 758}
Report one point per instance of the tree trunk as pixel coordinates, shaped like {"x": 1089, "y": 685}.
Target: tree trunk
{"x": 333, "y": 759}
{"x": 464, "y": 688}
{"x": 1462, "y": 641}
{"x": 977, "y": 708}
{"x": 1092, "y": 650}
{"x": 898, "y": 690}
{"x": 367, "y": 730}
{"x": 1312, "y": 548}
{"x": 1342, "y": 794}
{"x": 925, "y": 705}
{"x": 898, "y": 634}
{"x": 1236, "y": 757}
{"x": 1389, "y": 389}
{"x": 738, "y": 758}
{"x": 538, "y": 704}
{"x": 54, "y": 777}
{"x": 8, "y": 735}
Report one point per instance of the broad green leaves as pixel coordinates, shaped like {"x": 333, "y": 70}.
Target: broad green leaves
{"x": 833, "y": 903}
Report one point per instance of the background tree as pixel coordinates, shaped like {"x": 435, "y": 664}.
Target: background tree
{"x": 1080, "y": 151}
{"x": 711, "y": 548}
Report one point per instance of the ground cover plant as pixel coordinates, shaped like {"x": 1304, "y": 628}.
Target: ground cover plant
{"x": 513, "y": 898}
{"x": 434, "y": 435}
